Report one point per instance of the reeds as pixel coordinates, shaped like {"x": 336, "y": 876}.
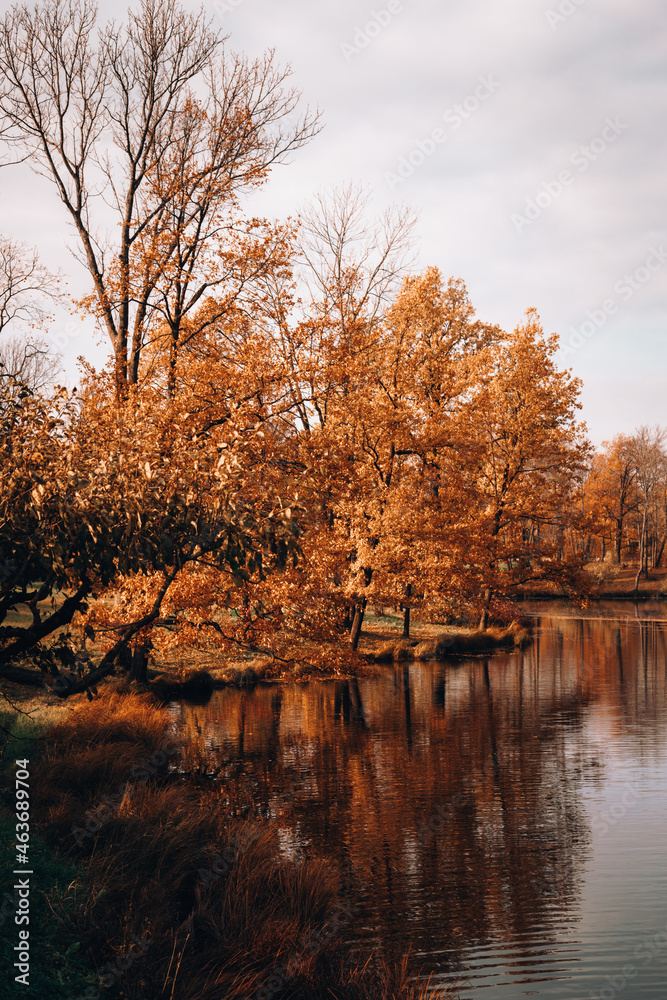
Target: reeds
{"x": 178, "y": 901}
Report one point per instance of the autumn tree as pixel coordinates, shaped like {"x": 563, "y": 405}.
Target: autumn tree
{"x": 611, "y": 490}
{"x": 406, "y": 422}
{"x": 524, "y": 457}
{"x": 351, "y": 270}
{"x": 649, "y": 459}
{"x": 153, "y": 120}
{"x": 88, "y": 499}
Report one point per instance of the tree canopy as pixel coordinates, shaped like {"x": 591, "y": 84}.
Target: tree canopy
{"x": 292, "y": 423}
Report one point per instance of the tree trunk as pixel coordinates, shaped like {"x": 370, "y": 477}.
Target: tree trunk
{"x": 173, "y": 358}
{"x": 359, "y": 610}
{"x": 139, "y": 663}
{"x": 28, "y": 638}
{"x": 357, "y": 623}
{"x": 406, "y": 613}
{"x": 642, "y": 547}
{"x": 120, "y": 370}
{"x": 484, "y": 620}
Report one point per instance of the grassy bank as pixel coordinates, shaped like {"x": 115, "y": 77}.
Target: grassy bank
{"x": 194, "y": 674}
{"x": 453, "y": 642}
{"x": 154, "y": 891}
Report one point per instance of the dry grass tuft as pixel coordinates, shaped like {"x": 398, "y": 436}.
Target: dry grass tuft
{"x": 468, "y": 643}
{"x": 424, "y": 650}
{"x": 112, "y": 718}
{"x": 95, "y": 751}
{"x": 393, "y": 651}
{"x": 405, "y": 650}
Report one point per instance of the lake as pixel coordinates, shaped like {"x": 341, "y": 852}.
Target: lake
{"x": 504, "y": 817}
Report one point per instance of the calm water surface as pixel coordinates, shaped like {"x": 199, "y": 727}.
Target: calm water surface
{"x": 505, "y": 818}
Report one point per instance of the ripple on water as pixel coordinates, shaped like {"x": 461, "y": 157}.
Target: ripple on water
{"x": 505, "y": 819}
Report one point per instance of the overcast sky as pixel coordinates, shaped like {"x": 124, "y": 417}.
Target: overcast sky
{"x": 529, "y": 136}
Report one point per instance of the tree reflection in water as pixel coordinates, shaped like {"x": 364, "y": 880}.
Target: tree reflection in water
{"x": 449, "y": 796}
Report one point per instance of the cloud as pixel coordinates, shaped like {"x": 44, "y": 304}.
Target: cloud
{"x": 559, "y": 85}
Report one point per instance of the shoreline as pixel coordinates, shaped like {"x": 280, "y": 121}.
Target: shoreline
{"x": 609, "y": 582}
{"x": 195, "y": 676}
{"x": 621, "y": 595}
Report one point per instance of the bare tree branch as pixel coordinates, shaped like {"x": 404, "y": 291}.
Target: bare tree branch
{"x": 26, "y": 363}
{"x": 121, "y": 120}
{"x": 24, "y": 285}
{"x": 352, "y": 265}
